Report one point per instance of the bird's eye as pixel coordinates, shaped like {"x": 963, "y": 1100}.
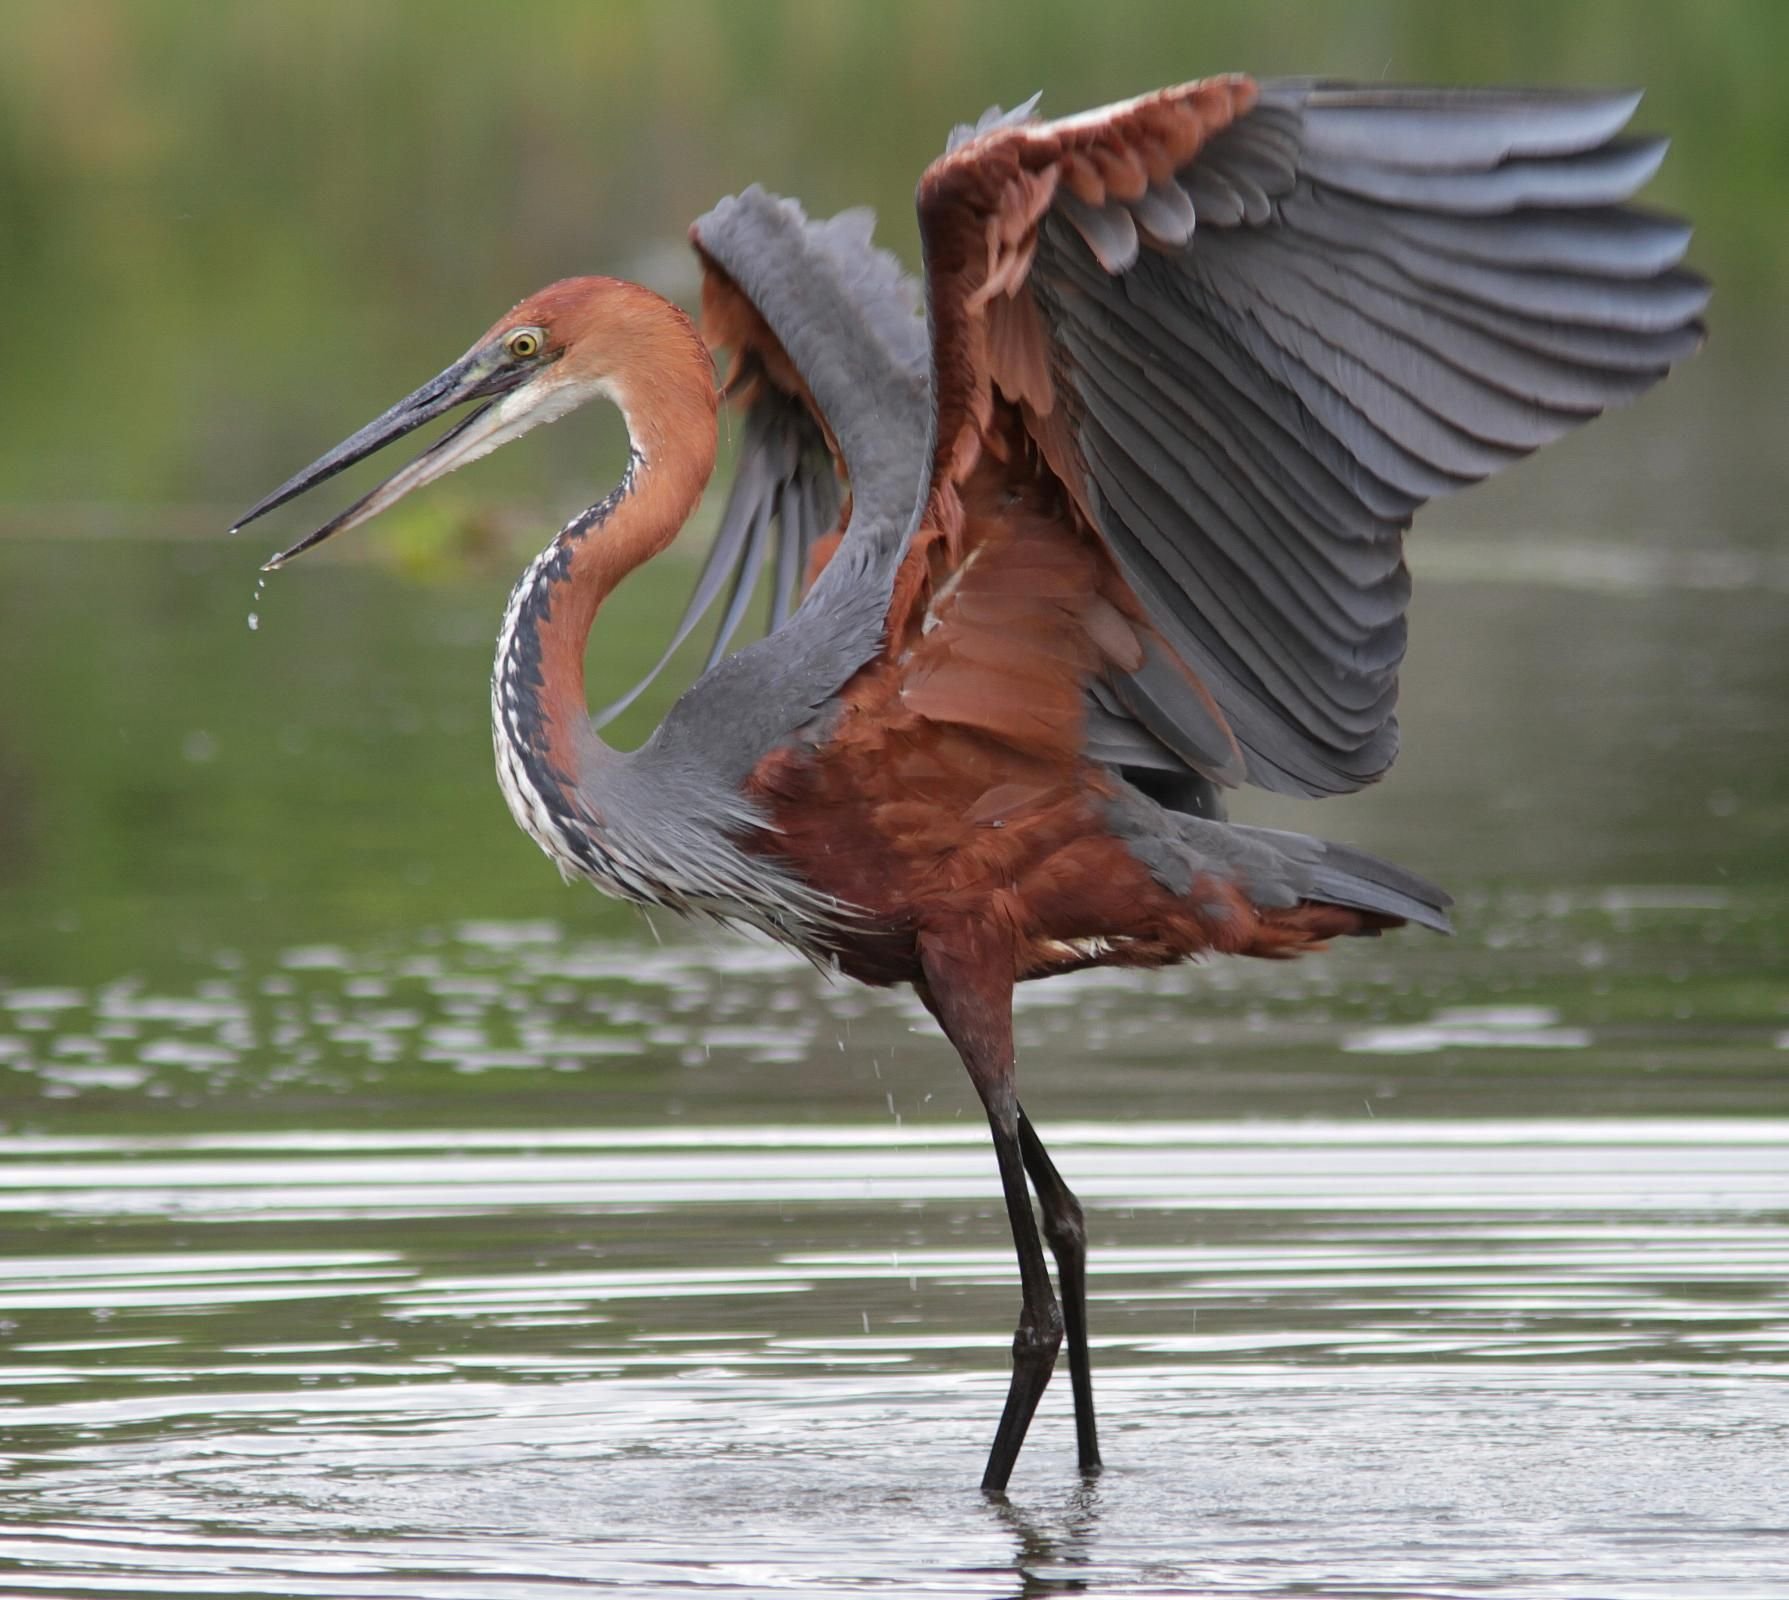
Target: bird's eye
{"x": 523, "y": 343}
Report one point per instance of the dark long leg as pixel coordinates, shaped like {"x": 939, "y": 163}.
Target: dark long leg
{"x": 968, "y": 988}
{"x": 1066, "y": 1231}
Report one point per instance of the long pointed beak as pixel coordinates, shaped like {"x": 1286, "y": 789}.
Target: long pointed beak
{"x": 479, "y": 374}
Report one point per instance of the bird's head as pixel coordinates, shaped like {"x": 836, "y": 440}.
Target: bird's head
{"x": 569, "y": 343}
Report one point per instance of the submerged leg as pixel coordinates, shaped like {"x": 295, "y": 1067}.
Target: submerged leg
{"x": 969, "y": 990}
{"x": 1066, "y": 1231}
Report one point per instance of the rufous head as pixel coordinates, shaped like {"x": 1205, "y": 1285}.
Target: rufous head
{"x": 564, "y": 345}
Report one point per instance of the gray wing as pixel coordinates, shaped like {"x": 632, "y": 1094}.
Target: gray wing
{"x": 827, "y": 363}
{"x": 1279, "y": 319}
{"x": 785, "y": 495}
{"x": 833, "y": 325}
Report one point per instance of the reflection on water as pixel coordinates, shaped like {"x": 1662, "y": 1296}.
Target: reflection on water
{"x": 1625, "y": 1000}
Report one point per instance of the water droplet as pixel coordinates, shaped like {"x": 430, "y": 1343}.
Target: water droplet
{"x": 254, "y": 621}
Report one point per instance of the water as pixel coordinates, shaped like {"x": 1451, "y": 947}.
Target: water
{"x": 379, "y": 1218}
{"x": 1484, "y": 1356}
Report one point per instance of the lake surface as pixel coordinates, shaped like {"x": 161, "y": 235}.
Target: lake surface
{"x": 380, "y": 1218}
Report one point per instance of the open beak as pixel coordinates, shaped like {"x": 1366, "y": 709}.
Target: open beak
{"x": 482, "y": 373}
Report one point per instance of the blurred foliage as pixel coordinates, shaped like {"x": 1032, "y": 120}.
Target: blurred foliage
{"x": 232, "y": 229}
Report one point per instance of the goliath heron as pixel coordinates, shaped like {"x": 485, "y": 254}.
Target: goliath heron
{"x": 1117, "y": 525}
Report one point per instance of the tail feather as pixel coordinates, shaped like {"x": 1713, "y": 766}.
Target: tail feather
{"x": 1338, "y": 874}
{"x": 1282, "y": 875}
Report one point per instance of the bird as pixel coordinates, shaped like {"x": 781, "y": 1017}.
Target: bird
{"x": 1098, "y": 521}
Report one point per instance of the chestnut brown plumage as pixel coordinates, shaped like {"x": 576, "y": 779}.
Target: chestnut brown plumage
{"x": 1119, "y": 527}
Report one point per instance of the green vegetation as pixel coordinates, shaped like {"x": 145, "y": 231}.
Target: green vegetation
{"x": 232, "y": 230}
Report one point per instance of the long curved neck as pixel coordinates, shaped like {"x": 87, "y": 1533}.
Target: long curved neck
{"x": 539, "y": 712}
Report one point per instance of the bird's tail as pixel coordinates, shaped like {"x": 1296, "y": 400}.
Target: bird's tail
{"x": 1340, "y": 875}
{"x": 1298, "y": 890}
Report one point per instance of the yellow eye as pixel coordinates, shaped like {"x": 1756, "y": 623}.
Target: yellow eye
{"x": 523, "y": 343}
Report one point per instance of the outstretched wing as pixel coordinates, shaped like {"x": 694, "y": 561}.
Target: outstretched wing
{"x": 787, "y": 297}
{"x": 1249, "y": 330}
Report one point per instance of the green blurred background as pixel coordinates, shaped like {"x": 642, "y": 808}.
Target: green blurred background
{"x": 232, "y": 232}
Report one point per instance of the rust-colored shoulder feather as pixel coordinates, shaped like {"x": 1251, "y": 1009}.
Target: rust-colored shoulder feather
{"x": 980, "y": 208}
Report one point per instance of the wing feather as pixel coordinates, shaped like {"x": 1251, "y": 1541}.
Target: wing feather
{"x": 1228, "y": 337}
{"x": 783, "y": 461}
{"x": 827, "y": 364}
{"x": 1275, "y": 319}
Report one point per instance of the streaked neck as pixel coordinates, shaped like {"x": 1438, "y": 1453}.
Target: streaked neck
{"x": 540, "y": 717}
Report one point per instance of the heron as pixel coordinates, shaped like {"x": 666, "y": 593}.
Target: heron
{"x": 1099, "y": 520}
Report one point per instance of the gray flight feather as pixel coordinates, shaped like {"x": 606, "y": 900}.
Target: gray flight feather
{"x": 783, "y": 479}
{"x": 848, "y": 319}
{"x": 1391, "y": 293}
{"x": 994, "y": 117}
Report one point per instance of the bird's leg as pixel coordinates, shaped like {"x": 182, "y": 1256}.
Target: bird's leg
{"x": 968, "y": 988}
{"x": 1066, "y": 1231}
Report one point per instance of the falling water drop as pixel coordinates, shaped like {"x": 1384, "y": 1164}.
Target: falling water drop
{"x": 254, "y": 617}
{"x": 254, "y": 621}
